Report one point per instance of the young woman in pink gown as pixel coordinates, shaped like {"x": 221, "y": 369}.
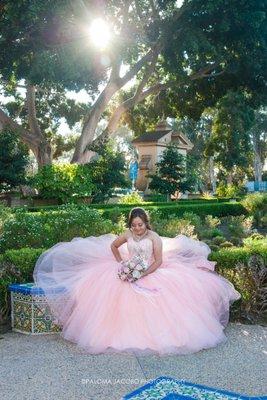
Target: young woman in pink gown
{"x": 179, "y": 305}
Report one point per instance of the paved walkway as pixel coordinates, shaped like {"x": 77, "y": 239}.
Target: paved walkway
{"x": 49, "y": 368}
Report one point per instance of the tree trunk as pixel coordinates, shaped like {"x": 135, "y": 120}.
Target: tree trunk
{"x": 257, "y": 159}
{"x": 81, "y": 155}
{"x": 257, "y": 168}
{"x": 43, "y": 154}
{"x": 230, "y": 178}
{"x": 212, "y": 175}
{"x": 40, "y": 148}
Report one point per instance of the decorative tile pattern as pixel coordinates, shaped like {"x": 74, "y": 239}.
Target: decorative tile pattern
{"x": 164, "y": 388}
{"x": 30, "y": 312}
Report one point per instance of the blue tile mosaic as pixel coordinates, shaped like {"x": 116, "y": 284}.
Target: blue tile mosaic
{"x": 166, "y": 388}
{"x": 30, "y": 312}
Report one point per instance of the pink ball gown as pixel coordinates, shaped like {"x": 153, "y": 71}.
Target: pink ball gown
{"x": 180, "y": 308}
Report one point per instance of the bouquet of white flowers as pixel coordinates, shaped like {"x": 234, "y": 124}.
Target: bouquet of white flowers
{"x": 132, "y": 269}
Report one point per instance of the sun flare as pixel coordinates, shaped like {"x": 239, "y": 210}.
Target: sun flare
{"x": 99, "y": 33}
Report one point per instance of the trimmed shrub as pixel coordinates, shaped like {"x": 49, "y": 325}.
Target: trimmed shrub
{"x": 147, "y": 203}
{"x": 256, "y": 204}
{"x": 131, "y": 198}
{"x": 16, "y": 266}
{"x": 213, "y": 209}
{"x": 44, "y": 229}
{"x": 226, "y": 244}
{"x": 228, "y": 258}
{"x": 5, "y": 213}
{"x": 217, "y": 240}
{"x": 64, "y": 182}
{"x": 173, "y": 226}
{"x": 246, "y": 269}
{"x": 239, "y": 225}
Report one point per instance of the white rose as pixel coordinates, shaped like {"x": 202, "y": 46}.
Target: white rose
{"x": 136, "y": 274}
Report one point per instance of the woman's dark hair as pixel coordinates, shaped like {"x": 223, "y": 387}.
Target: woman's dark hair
{"x": 141, "y": 213}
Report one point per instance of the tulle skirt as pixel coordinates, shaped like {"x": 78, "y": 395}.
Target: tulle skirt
{"x": 180, "y": 308}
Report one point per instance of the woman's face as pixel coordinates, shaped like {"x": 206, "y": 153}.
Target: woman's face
{"x": 138, "y": 226}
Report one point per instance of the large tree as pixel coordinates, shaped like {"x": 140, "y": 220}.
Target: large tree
{"x": 189, "y": 56}
{"x": 172, "y": 173}
{"x": 14, "y": 159}
{"x": 199, "y": 133}
{"x": 258, "y": 134}
{"x": 230, "y": 143}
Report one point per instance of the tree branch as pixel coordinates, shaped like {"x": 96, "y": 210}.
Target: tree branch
{"x": 141, "y": 94}
{"x": 31, "y": 108}
{"x": 115, "y": 72}
{"x": 26, "y": 137}
{"x": 205, "y": 72}
{"x": 91, "y": 120}
{"x": 20, "y": 86}
{"x": 154, "y": 10}
{"x": 150, "y": 69}
{"x": 136, "y": 68}
{"x": 157, "y": 47}
{"x": 128, "y": 104}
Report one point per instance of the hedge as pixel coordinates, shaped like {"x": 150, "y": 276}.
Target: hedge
{"x": 214, "y": 209}
{"x": 227, "y": 260}
{"x": 44, "y": 229}
{"x": 145, "y": 204}
{"x": 16, "y": 266}
{"x": 246, "y": 268}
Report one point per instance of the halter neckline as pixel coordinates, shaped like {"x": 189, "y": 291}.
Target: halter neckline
{"x": 141, "y": 238}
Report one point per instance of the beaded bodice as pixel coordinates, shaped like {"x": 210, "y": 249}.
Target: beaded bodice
{"x": 144, "y": 247}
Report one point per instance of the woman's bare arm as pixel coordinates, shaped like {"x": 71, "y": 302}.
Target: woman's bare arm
{"x": 116, "y": 244}
{"x": 157, "y": 251}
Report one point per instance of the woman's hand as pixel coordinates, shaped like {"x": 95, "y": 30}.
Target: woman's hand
{"x": 123, "y": 271}
{"x": 121, "y": 266}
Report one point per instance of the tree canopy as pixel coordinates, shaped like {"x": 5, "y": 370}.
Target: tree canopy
{"x": 183, "y": 59}
{"x": 13, "y": 160}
